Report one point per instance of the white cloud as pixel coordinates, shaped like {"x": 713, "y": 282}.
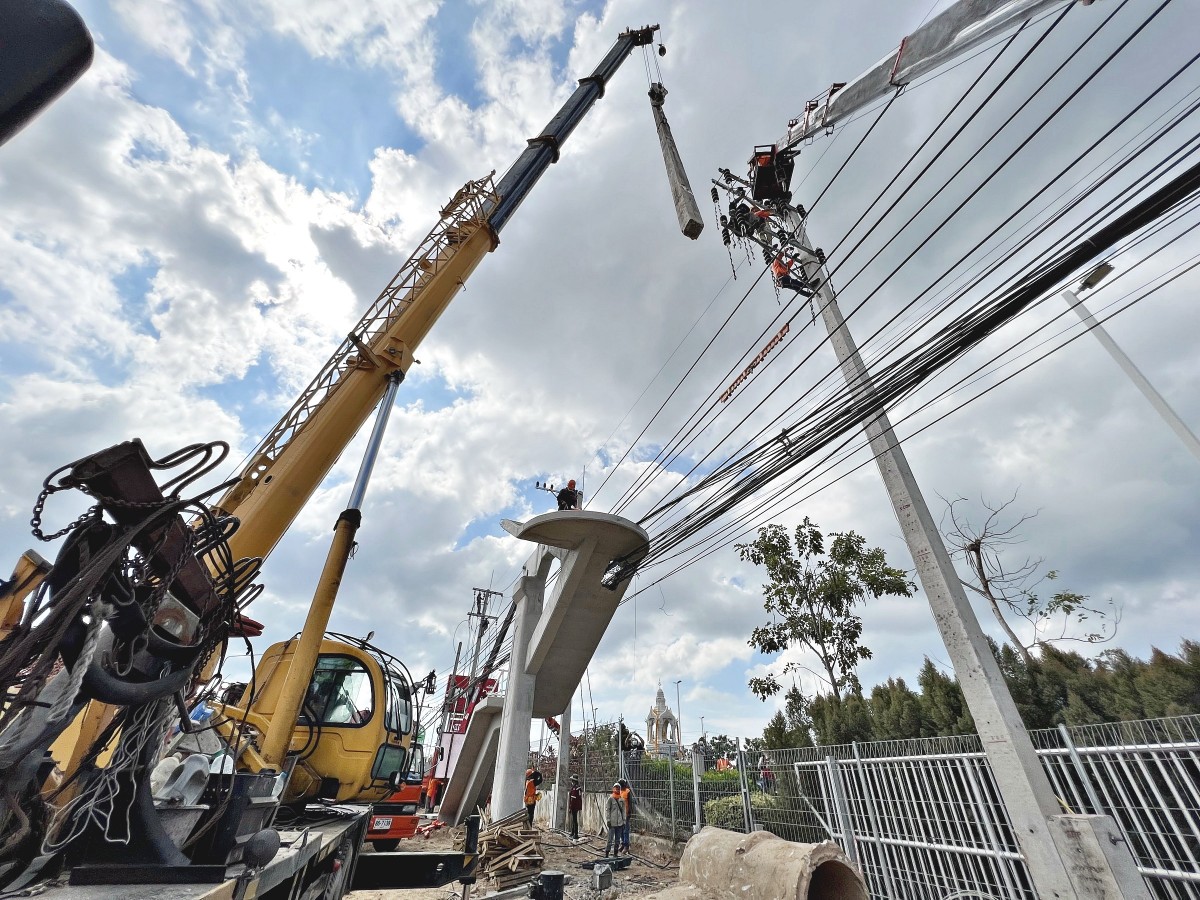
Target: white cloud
{"x": 162, "y": 25}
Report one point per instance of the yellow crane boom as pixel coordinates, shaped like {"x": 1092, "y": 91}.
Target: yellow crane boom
{"x": 286, "y": 468}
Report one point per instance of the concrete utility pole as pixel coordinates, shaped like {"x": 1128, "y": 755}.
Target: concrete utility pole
{"x": 1067, "y": 856}
{"x": 1140, "y": 381}
{"x": 483, "y": 597}
{"x": 678, "y": 717}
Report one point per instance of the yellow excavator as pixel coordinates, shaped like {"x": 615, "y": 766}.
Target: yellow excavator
{"x": 111, "y": 646}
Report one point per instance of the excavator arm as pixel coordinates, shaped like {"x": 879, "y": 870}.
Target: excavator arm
{"x": 288, "y": 465}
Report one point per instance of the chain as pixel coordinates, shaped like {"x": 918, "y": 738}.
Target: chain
{"x": 39, "y": 506}
{"x": 125, "y": 504}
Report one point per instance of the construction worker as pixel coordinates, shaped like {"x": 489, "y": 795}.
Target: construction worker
{"x": 614, "y": 818}
{"x": 746, "y": 220}
{"x": 532, "y": 777}
{"x": 627, "y": 802}
{"x": 568, "y": 497}
{"x": 575, "y": 806}
{"x": 781, "y": 271}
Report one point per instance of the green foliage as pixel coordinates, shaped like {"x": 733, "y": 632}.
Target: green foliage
{"x": 791, "y": 727}
{"x": 600, "y": 738}
{"x": 721, "y": 745}
{"x": 712, "y": 776}
{"x": 895, "y": 711}
{"x": 945, "y": 710}
{"x": 841, "y": 721}
{"x": 812, "y": 597}
{"x": 658, "y": 768}
{"x": 726, "y": 812}
{"x": 1057, "y": 686}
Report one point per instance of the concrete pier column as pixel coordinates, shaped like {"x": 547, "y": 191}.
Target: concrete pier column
{"x": 512, "y": 756}
{"x": 562, "y": 775}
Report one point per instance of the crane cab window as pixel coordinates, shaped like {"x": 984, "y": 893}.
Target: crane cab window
{"x": 340, "y": 693}
{"x": 416, "y": 765}
{"x": 398, "y": 711}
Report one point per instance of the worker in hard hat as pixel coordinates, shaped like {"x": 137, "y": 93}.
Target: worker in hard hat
{"x": 568, "y": 497}
{"x": 781, "y": 271}
{"x": 614, "y": 818}
{"x": 532, "y": 780}
{"x": 575, "y": 806}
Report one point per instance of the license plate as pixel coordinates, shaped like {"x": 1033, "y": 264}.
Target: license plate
{"x": 380, "y": 824}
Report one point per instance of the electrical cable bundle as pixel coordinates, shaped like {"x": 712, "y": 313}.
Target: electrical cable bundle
{"x": 788, "y": 441}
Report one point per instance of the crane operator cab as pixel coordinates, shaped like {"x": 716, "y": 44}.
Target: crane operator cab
{"x": 353, "y": 738}
{"x": 771, "y": 174}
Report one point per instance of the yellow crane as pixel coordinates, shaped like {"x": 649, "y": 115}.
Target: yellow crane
{"x": 150, "y": 580}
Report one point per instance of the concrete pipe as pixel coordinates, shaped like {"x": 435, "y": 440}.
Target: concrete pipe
{"x": 760, "y": 866}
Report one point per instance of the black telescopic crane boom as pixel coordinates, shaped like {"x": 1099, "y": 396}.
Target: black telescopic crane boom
{"x": 516, "y": 183}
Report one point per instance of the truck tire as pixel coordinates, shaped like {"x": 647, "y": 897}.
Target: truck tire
{"x": 385, "y": 846}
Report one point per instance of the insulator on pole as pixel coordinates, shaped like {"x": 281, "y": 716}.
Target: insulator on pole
{"x": 686, "y": 209}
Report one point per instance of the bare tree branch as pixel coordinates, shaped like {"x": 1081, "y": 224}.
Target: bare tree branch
{"x": 1011, "y": 590}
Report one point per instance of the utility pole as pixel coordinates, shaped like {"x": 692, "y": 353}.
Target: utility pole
{"x": 482, "y": 597}
{"x": 678, "y": 718}
{"x": 1067, "y": 856}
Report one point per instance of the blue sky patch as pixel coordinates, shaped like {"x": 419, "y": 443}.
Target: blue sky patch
{"x": 457, "y": 72}
{"x": 239, "y": 396}
{"x": 433, "y": 393}
{"x": 325, "y": 118}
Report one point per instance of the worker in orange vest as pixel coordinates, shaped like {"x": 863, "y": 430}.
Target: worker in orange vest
{"x": 781, "y": 271}
{"x": 627, "y": 800}
{"x": 532, "y": 780}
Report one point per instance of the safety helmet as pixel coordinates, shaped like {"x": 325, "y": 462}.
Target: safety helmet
{"x": 571, "y": 483}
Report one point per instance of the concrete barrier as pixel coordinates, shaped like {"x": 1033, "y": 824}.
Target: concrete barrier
{"x": 760, "y": 866}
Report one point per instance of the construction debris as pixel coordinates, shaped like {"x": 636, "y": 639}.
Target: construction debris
{"x": 508, "y": 851}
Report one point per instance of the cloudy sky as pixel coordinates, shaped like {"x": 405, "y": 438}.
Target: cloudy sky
{"x": 189, "y": 232}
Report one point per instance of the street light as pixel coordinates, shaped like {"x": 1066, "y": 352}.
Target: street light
{"x": 678, "y": 716}
{"x": 702, "y": 729}
{"x": 1176, "y": 424}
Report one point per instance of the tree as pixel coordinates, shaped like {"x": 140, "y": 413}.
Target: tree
{"x": 722, "y": 745}
{"x": 942, "y": 703}
{"x": 1011, "y": 591}
{"x": 791, "y": 726}
{"x": 812, "y": 599}
{"x": 1170, "y": 685}
{"x": 896, "y": 711}
{"x": 841, "y": 720}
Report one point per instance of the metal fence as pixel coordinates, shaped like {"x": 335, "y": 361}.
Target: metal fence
{"x": 924, "y": 819}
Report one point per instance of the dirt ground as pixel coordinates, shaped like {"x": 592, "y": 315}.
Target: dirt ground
{"x": 652, "y": 870}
